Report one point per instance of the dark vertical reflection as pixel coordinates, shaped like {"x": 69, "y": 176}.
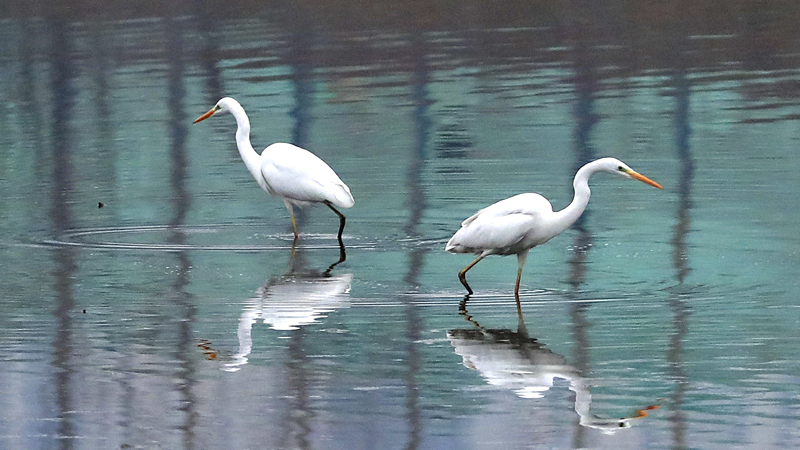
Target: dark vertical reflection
{"x": 422, "y": 126}
{"x": 759, "y": 36}
{"x": 416, "y": 256}
{"x": 181, "y": 199}
{"x": 106, "y": 154}
{"x": 682, "y": 133}
{"x": 33, "y": 123}
{"x": 209, "y": 54}
{"x": 61, "y": 216}
{"x": 680, "y": 257}
{"x": 299, "y": 57}
{"x": 586, "y": 85}
{"x": 177, "y": 127}
{"x": 296, "y": 433}
{"x": 102, "y": 42}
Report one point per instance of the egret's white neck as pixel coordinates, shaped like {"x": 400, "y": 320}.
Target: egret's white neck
{"x": 567, "y": 216}
{"x": 249, "y": 156}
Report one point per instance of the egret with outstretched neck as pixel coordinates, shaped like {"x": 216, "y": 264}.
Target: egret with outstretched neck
{"x": 517, "y": 224}
{"x": 292, "y": 173}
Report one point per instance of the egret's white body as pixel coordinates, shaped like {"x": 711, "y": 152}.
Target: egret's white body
{"x": 296, "y": 175}
{"x": 507, "y": 227}
{"x": 515, "y": 225}
{"x": 300, "y": 177}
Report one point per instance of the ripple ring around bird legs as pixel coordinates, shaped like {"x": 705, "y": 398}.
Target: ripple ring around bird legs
{"x": 156, "y": 237}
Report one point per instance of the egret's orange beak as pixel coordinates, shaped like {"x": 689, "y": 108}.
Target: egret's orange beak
{"x": 634, "y": 175}
{"x": 207, "y": 115}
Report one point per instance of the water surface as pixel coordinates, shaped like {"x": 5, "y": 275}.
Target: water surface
{"x": 150, "y": 298}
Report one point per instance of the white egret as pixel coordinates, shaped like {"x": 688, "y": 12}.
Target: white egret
{"x": 296, "y": 175}
{"x": 515, "y": 225}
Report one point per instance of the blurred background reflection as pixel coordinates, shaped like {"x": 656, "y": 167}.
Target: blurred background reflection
{"x": 131, "y": 243}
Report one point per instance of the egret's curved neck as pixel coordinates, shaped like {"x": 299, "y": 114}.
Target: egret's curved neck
{"x": 567, "y": 216}
{"x": 246, "y": 151}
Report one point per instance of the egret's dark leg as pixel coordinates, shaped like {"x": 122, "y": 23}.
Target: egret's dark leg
{"x": 342, "y": 258}
{"x": 462, "y": 276}
{"x": 342, "y": 221}
{"x": 521, "y": 328}
{"x": 462, "y": 309}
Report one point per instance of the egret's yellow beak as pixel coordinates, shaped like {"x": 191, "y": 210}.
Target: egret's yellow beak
{"x": 634, "y": 175}
{"x": 207, "y": 115}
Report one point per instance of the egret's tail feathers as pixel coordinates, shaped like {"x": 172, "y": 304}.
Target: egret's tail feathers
{"x": 453, "y": 247}
{"x": 342, "y": 197}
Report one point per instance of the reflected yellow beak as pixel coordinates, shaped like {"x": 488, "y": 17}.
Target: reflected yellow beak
{"x": 636, "y": 176}
{"x": 643, "y": 412}
{"x": 206, "y": 115}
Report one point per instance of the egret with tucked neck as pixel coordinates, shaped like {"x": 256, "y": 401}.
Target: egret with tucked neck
{"x": 517, "y": 224}
{"x": 294, "y": 174}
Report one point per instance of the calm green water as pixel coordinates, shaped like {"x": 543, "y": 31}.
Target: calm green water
{"x": 174, "y": 316}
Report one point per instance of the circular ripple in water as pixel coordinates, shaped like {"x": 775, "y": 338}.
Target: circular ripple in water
{"x": 181, "y": 238}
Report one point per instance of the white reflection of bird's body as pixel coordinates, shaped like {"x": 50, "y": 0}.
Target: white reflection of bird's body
{"x": 515, "y": 225}
{"x": 296, "y": 175}
{"x": 288, "y": 303}
{"x": 515, "y": 361}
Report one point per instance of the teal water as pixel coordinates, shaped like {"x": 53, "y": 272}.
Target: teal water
{"x": 150, "y": 298}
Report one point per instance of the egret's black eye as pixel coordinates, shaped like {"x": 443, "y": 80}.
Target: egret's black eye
{"x": 621, "y": 169}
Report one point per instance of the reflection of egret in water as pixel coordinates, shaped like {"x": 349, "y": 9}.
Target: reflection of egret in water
{"x": 515, "y": 361}
{"x": 288, "y": 302}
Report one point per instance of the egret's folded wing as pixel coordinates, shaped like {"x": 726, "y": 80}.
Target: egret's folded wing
{"x": 298, "y": 174}
{"x": 486, "y": 233}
